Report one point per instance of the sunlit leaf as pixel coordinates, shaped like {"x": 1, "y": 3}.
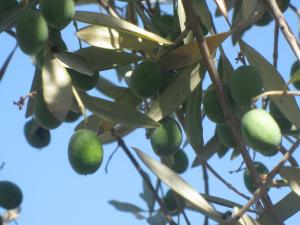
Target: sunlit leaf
{"x": 292, "y": 176}
{"x": 105, "y": 37}
{"x": 285, "y": 208}
{"x": 57, "y": 88}
{"x": 189, "y": 54}
{"x": 117, "y": 113}
{"x": 104, "y": 59}
{"x": 272, "y": 80}
{"x": 184, "y": 84}
{"x": 119, "y": 24}
{"x": 128, "y": 207}
{"x": 179, "y": 185}
{"x": 222, "y": 7}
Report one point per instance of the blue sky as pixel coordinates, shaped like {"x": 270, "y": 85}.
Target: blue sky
{"x": 55, "y": 194}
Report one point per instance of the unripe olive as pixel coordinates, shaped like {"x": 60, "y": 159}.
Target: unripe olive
{"x": 225, "y": 135}
{"x": 85, "y": 152}
{"x": 58, "y": 13}
{"x": 36, "y": 135}
{"x": 261, "y": 169}
{"x": 10, "y": 195}
{"x": 181, "y": 162}
{"x": 32, "y": 31}
{"x": 173, "y": 202}
{"x": 261, "y": 132}
{"x": 245, "y": 83}
{"x": 166, "y": 139}
{"x": 146, "y": 79}
{"x": 295, "y": 70}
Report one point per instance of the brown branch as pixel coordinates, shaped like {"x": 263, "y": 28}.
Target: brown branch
{"x": 284, "y": 27}
{"x": 260, "y": 191}
{"x": 192, "y": 22}
{"x": 230, "y": 186}
{"x": 291, "y": 160}
{"x": 275, "y": 51}
{"x": 108, "y": 8}
{"x": 122, "y": 144}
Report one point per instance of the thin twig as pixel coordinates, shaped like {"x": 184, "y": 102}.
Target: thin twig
{"x": 275, "y": 51}
{"x": 206, "y": 187}
{"x": 291, "y": 160}
{"x": 137, "y": 166}
{"x": 192, "y": 22}
{"x": 108, "y": 8}
{"x": 284, "y": 27}
{"x": 267, "y": 181}
{"x": 230, "y": 186}
{"x": 276, "y": 93}
{"x": 110, "y": 158}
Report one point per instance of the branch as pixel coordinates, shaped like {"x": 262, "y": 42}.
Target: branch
{"x": 122, "y": 144}
{"x": 284, "y": 27}
{"x": 259, "y": 192}
{"x": 193, "y": 23}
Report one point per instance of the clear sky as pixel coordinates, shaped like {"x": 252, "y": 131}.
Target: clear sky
{"x": 55, "y": 194}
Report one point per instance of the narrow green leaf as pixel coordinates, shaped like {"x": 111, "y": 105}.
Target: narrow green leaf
{"x": 189, "y": 54}
{"x": 157, "y": 219}
{"x": 273, "y": 81}
{"x": 108, "y": 88}
{"x": 193, "y": 121}
{"x": 75, "y": 62}
{"x": 202, "y": 11}
{"x": 36, "y": 85}
{"x": 6, "y": 62}
{"x": 109, "y": 58}
{"x": 57, "y": 88}
{"x": 147, "y": 195}
{"x": 226, "y": 70}
{"x": 184, "y": 84}
{"x": 118, "y": 113}
{"x": 128, "y": 207}
{"x": 285, "y": 208}
{"x": 105, "y": 37}
{"x": 210, "y": 148}
{"x": 179, "y": 185}
{"x": 119, "y": 24}
{"x": 292, "y": 176}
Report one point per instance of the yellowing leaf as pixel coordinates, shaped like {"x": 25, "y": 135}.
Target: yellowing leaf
{"x": 110, "y": 38}
{"x": 57, "y": 88}
{"x": 119, "y": 24}
{"x": 222, "y": 7}
{"x": 189, "y": 54}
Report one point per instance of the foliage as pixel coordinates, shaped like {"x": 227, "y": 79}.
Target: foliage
{"x": 161, "y": 69}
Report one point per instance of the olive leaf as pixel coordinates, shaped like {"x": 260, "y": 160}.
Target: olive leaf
{"x": 179, "y": 185}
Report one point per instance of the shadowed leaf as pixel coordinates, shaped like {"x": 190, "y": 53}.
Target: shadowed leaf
{"x": 179, "y": 185}
{"x": 128, "y": 207}
{"x": 118, "y": 113}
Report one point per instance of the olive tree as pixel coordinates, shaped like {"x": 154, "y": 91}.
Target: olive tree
{"x": 161, "y": 61}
